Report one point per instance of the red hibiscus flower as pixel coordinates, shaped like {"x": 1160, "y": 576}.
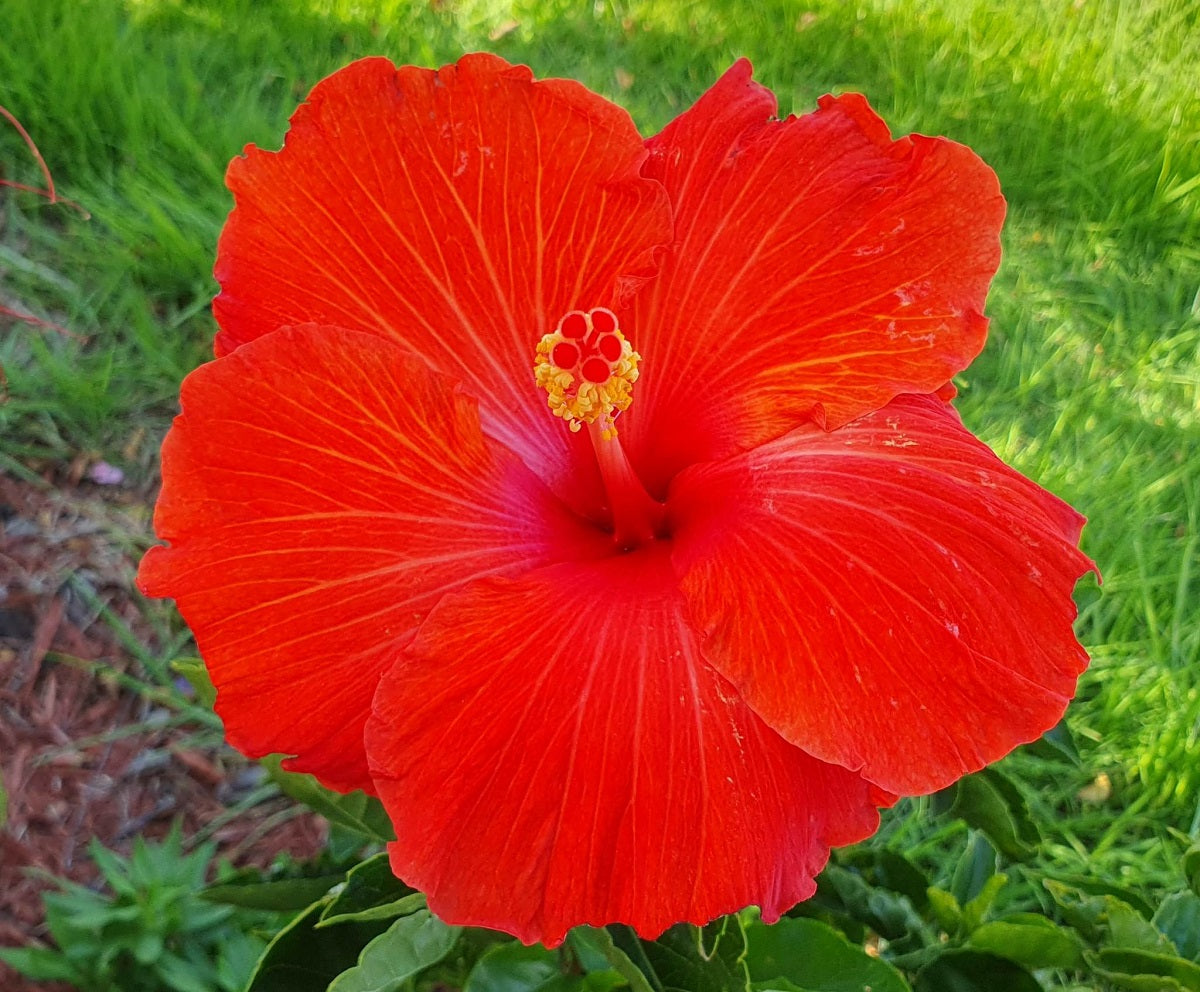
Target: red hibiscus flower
{"x": 595, "y": 502}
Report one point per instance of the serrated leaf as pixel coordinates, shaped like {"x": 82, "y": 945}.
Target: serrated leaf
{"x": 278, "y": 895}
{"x": 515, "y": 968}
{"x": 815, "y": 957}
{"x": 355, "y": 810}
{"x": 1132, "y": 969}
{"x": 408, "y": 946}
{"x": 776, "y": 985}
{"x": 1179, "y": 919}
{"x": 973, "y": 971}
{"x": 688, "y": 958}
{"x": 196, "y": 674}
{"x": 302, "y": 958}
{"x": 1137, "y": 983}
{"x": 1097, "y": 887}
{"x": 1030, "y": 940}
{"x": 372, "y": 892}
{"x": 1104, "y": 918}
{"x": 990, "y": 802}
{"x": 1127, "y": 928}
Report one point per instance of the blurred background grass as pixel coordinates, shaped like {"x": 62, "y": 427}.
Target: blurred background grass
{"x": 1087, "y": 110}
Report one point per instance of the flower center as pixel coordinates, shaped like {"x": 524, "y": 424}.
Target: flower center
{"x": 588, "y": 369}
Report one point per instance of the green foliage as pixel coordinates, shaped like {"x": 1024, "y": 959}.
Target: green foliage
{"x": 688, "y": 958}
{"x": 355, "y": 812}
{"x": 812, "y": 956}
{"x": 879, "y": 920}
{"x": 372, "y": 892}
{"x": 1090, "y": 384}
{"x": 407, "y": 947}
{"x": 303, "y": 958}
{"x": 151, "y": 932}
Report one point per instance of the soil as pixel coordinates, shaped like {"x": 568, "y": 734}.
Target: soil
{"x": 84, "y": 753}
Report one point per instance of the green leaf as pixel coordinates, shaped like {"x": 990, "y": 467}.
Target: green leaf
{"x": 180, "y": 975}
{"x": 1105, "y": 918}
{"x": 194, "y": 670}
{"x": 598, "y": 953}
{"x": 1129, "y": 929}
{"x": 974, "y": 869}
{"x": 41, "y": 963}
{"x": 776, "y": 985}
{"x": 1030, "y": 940}
{"x": 1191, "y": 867}
{"x": 888, "y": 870}
{"x": 302, "y": 958}
{"x": 372, "y": 892}
{"x": 975, "y": 910}
{"x": 815, "y": 957}
{"x": 1137, "y": 970}
{"x": 514, "y": 968}
{"x": 408, "y": 946}
{"x": 946, "y": 910}
{"x": 3, "y": 805}
{"x": 1097, "y": 887}
{"x": 889, "y": 914}
{"x": 1056, "y": 743}
{"x": 973, "y": 971}
{"x": 113, "y": 867}
{"x": 1179, "y": 918}
{"x": 355, "y": 811}
{"x": 147, "y": 947}
{"x": 235, "y": 960}
{"x": 688, "y": 958}
{"x": 990, "y": 802}
{"x": 279, "y": 895}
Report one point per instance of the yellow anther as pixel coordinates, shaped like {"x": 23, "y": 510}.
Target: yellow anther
{"x": 588, "y": 369}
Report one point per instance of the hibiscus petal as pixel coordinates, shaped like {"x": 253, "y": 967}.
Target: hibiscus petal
{"x": 889, "y": 596}
{"x": 556, "y": 752}
{"x": 321, "y": 490}
{"x": 821, "y": 270}
{"x": 459, "y": 212}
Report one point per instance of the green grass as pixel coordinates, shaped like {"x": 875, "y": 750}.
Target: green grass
{"x": 1090, "y": 384}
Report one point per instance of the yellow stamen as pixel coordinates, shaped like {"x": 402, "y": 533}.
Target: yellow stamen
{"x": 588, "y": 369}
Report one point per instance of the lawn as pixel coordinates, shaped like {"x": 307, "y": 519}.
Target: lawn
{"x": 1089, "y": 113}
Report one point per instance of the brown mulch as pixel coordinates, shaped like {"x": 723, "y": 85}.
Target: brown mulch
{"x": 83, "y": 755}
